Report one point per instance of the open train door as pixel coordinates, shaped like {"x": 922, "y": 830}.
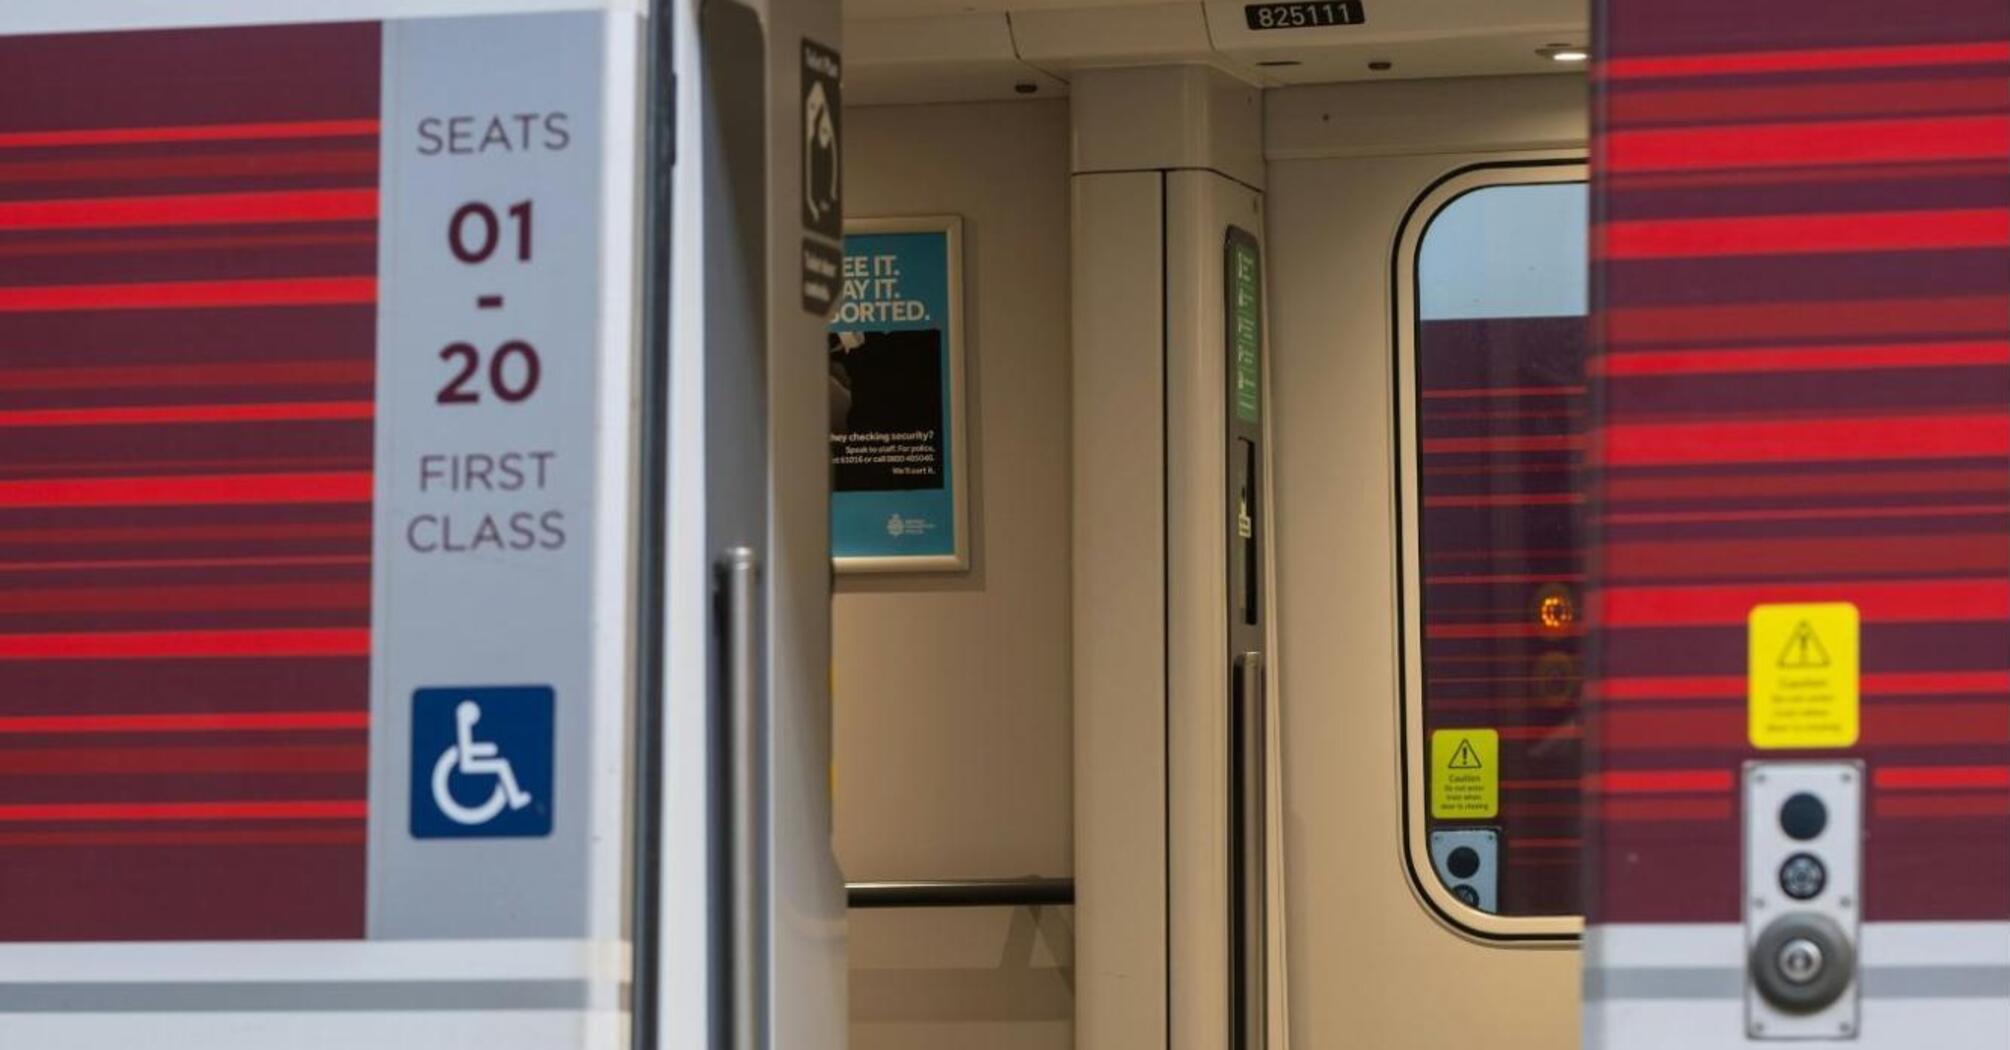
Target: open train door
{"x": 411, "y": 605}
{"x": 754, "y": 276}
{"x": 1800, "y": 719}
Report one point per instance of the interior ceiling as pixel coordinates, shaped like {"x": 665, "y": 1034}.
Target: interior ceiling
{"x": 1383, "y": 16}
{"x": 859, "y": 9}
{"x": 959, "y": 50}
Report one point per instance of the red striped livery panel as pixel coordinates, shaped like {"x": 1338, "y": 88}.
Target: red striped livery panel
{"x": 1801, "y": 393}
{"x": 188, "y": 268}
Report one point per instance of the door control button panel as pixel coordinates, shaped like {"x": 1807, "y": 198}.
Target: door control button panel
{"x": 1803, "y": 890}
{"x": 1468, "y": 860}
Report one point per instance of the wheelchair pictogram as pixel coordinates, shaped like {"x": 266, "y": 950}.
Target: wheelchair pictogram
{"x": 482, "y": 762}
{"x": 474, "y": 758}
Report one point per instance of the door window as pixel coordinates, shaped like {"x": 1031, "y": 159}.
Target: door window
{"x": 1494, "y": 378}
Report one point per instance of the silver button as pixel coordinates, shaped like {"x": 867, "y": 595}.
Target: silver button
{"x": 1803, "y": 877}
{"x": 1800, "y": 961}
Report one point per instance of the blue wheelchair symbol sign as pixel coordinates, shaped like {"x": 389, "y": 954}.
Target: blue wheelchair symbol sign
{"x": 481, "y": 762}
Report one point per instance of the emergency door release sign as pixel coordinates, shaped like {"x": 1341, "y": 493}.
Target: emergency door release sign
{"x": 1801, "y": 675}
{"x": 823, "y": 188}
{"x": 823, "y": 196}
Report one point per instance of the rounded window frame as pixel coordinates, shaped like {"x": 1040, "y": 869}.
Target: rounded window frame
{"x": 1461, "y": 918}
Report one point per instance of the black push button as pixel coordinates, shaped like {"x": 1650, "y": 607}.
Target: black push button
{"x": 1463, "y": 862}
{"x": 1803, "y": 817}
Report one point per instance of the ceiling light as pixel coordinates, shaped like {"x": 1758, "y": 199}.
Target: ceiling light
{"x": 1564, "y": 53}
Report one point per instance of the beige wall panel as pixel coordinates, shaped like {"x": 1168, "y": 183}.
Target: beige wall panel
{"x": 953, "y": 721}
{"x": 1120, "y": 667}
{"x": 1368, "y": 966}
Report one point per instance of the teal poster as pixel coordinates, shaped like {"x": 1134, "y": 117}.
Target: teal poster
{"x": 895, "y": 368}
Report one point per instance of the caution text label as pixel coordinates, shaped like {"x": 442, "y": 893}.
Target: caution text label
{"x": 1465, "y": 774}
{"x": 1802, "y": 675}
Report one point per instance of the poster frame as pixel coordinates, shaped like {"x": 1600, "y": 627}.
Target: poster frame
{"x": 958, "y": 560}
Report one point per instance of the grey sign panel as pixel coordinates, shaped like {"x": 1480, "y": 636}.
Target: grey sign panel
{"x": 823, "y": 269}
{"x": 490, "y": 412}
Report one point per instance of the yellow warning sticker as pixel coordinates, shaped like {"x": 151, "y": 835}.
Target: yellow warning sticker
{"x": 1465, "y": 774}
{"x": 1802, "y": 675}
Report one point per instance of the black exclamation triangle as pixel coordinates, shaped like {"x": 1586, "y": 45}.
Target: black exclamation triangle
{"x": 1803, "y": 649}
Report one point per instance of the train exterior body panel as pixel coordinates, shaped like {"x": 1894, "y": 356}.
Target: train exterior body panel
{"x": 374, "y": 629}
{"x": 1801, "y": 381}
{"x": 277, "y": 558}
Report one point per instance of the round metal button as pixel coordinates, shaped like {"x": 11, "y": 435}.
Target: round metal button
{"x": 1800, "y": 961}
{"x": 1803, "y": 877}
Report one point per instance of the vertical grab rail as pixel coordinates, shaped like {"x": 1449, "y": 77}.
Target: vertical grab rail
{"x": 746, "y": 779}
{"x": 1248, "y": 922}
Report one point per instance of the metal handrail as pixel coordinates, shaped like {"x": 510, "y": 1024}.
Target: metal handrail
{"x": 961, "y": 893}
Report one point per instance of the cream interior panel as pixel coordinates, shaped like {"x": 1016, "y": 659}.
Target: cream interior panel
{"x": 962, "y": 978}
{"x": 1120, "y": 610}
{"x": 939, "y": 59}
{"x": 1450, "y": 117}
{"x": 1368, "y": 965}
{"x": 952, "y": 690}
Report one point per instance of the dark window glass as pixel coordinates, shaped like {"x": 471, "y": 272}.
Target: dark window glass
{"x": 1501, "y": 415}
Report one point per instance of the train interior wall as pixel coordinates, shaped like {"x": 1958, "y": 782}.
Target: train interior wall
{"x": 952, "y": 691}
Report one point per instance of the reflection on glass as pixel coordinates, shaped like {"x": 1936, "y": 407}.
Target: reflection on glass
{"x": 1500, "y": 411}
